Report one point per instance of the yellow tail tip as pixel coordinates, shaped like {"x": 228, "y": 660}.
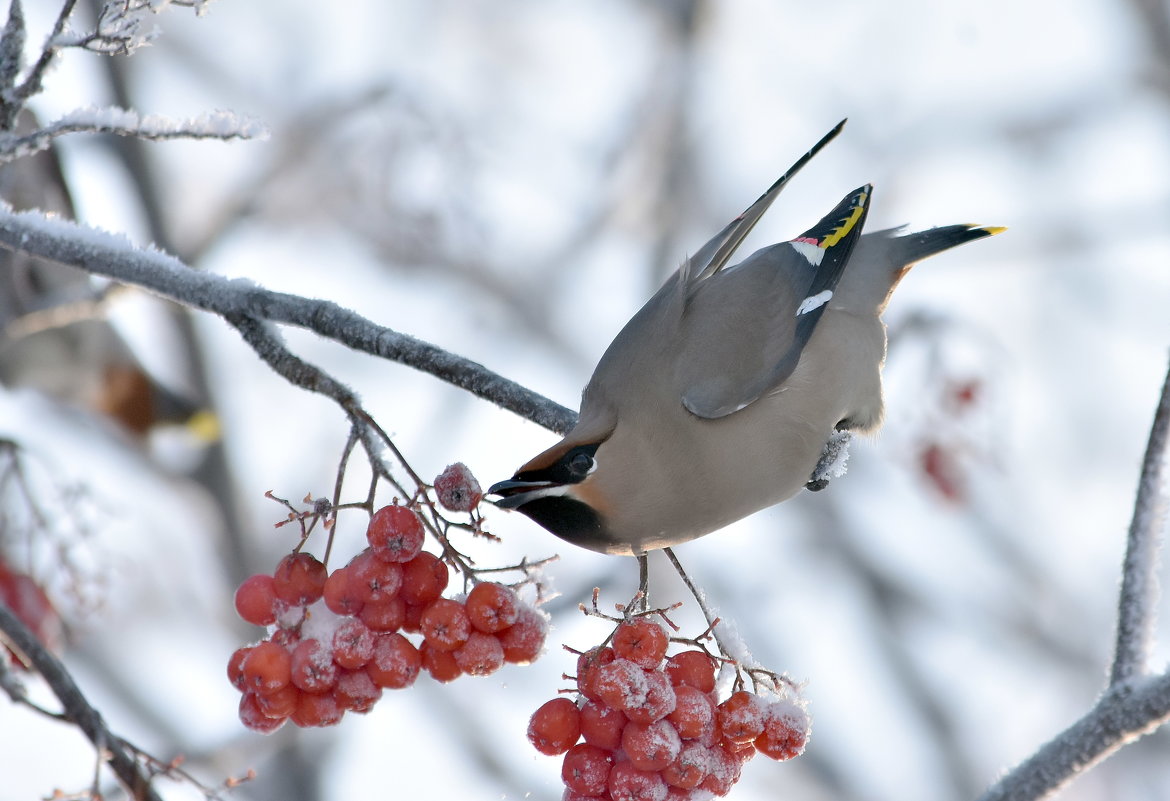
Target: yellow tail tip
{"x": 991, "y": 230}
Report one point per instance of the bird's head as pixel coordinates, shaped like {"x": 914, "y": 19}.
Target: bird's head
{"x": 557, "y": 489}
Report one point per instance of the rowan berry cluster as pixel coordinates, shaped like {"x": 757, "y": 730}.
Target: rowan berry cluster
{"x": 649, "y": 728}
{"x": 338, "y": 639}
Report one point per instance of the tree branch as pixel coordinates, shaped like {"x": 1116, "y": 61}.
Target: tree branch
{"x": 1124, "y": 713}
{"x": 1139, "y": 580}
{"x": 112, "y": 256}
{"x": 76, "y": 709}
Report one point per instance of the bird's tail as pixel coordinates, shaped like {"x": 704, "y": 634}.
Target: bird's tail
{"x": 882, "y": 258}
{"x": 916, "y": 247}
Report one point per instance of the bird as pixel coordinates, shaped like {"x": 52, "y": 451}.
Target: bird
{"x": 719, "y": 396}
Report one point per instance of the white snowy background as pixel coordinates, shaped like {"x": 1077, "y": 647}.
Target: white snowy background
{"x": 511, "y": 180}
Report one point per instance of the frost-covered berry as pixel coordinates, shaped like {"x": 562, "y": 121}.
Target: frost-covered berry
{"x": 586, "y": 769}
{"x": 492, "y": 607}
{"x": 785, "y": 731}
{"x": 299, "y": 579}
{"x": 395, "y": 534}
{"x": 524, "y": 640}
{"x": 741, "y": 717}
{"x": 481, "y": 655}
{"x": 642, "y": 641}
{"x": 457, "y": 488}
{"x": 652, "y": 746}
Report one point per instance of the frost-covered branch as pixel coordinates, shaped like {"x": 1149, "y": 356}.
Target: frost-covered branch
{"x": 1139, "y": 580}
{"x": 76, "y": 708}
{"x": 1124, "y": 713}
{"x": 1134, "y": 703}
{"x": 120, "y": 122}
{"x": 120, "y": 29}
{"x": 113, "y": 256}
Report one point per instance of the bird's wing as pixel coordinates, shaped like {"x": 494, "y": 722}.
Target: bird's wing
{"x": 711, "y": 258}
{"x": 744, "y": 329}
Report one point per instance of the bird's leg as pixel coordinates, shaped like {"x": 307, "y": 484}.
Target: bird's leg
{"x": 832, "y": 462}
{"x": 642, "y": 599}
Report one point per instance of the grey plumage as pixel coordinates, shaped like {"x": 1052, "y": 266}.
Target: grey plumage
{"x": 718, "y": 397}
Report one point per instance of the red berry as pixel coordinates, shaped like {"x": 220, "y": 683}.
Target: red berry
{"x": 374, "y": 580}
{"x": 235, "y": 667}
{"x": 423, "y": 579}
{"x": 588, "y": 666}
{"x": 694, "y": 714}
{"x": 524, "y": 640}
{"x": 256, "y": 600}
{"x": 628, "y": 783}
{"x": 690, "y": 766}
{"x": 492, "y": 607}
{"x": 395, "y": 534}
{"x": 355, "y": 690}
{"x": 26, "y": 599}
{"x": 642, "y": 641}
{"x": 384, "y": 615}
{"x": 313, "y": 668}
{"x": 602, "y": 725}
{"x": 266, "y": 668}
{"x": 693, "y": 669}
{"x": 396, "y": 662}
{"x": 586, "y": 769}
{"x": 412, "y": 618}
{"x": 317, "y": 709}
{"x": 457, "y": 488}
{"x": 723, "y": 771}
{"x": 785, "y": 731}
{"x": 353, "y": 644}
{"x": 555, "y": 727}
{"x": 651, "y": 747}
{"x": 254, "y": 718}
{"x": 343, "y": 595}
{"x": 658, "y": 702}
{"x": 444, "y": 624}
{"x": 481, "y": 655}
{"x": 621, "y": 684}
{"x": 741, "y": 717}
{"x": 440, "y": 664}
{"x": 299, "y": 579}
{"x": 281, "y": 703}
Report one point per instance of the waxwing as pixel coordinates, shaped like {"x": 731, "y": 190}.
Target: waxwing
{"x": 719, "y": 396}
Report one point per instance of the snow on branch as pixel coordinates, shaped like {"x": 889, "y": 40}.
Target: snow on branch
{"x": 122, "y": 26}
{"x": 1124, "y": 713}
{"x": 114, "y": 256}
{"x": 223, "y": 125}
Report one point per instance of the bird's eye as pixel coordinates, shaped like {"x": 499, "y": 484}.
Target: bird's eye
{"x": 581, "y": 464}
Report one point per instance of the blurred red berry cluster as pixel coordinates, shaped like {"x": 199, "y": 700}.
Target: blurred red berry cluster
{"x": 22, "y": 594}
{"x": 645, "y": 727}
{"x": 338, "y": 639}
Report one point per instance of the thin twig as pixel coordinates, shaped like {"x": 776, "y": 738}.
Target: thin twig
{"x": 76, "y": 708}
{"x": 708, "y": 615}
{"x": 1139, "y": 579}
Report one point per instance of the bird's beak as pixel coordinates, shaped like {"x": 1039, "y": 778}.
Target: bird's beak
{"x": 515, "y": 493}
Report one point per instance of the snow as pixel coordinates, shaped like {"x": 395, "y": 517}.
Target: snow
{"x": 321, "y": 624}
{"x": 217, "y": 124}
{"x": 835, "y": 459}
